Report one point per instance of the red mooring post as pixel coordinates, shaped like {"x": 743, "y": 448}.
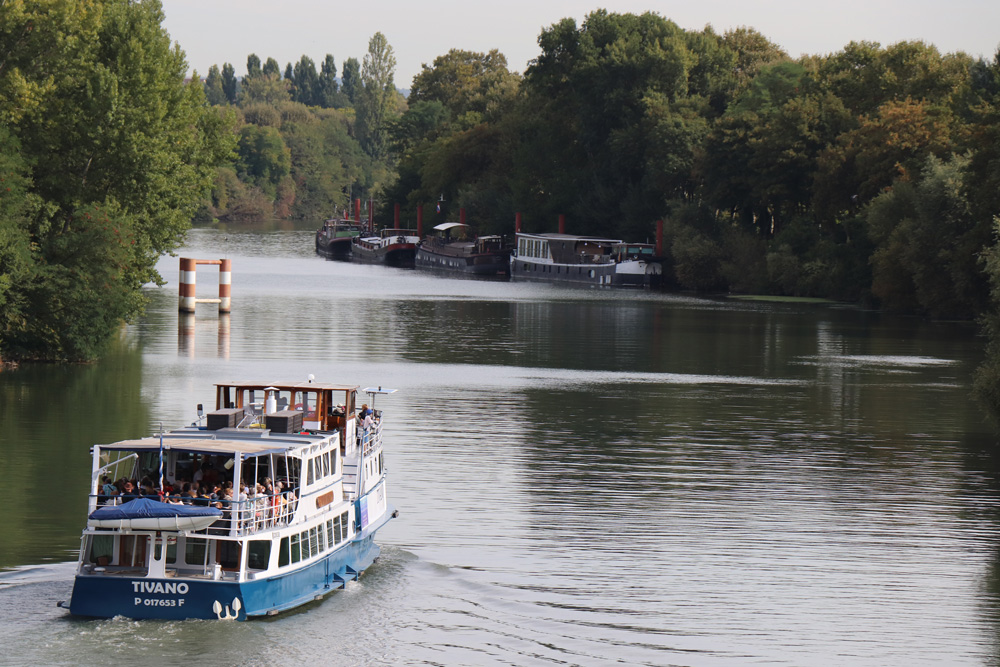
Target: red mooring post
{"x": 225, "y": 285}
{"x": 517, "y": 223}
{"x": 395, "y": 216}
{"x": 420, "y": 221}
{"x": 461, "y": 215}
{"x": 357, "y": 210}
{"x": 659, "y": 238}
{"x": 371, "y": 216}
{"x": 562, "y": 223}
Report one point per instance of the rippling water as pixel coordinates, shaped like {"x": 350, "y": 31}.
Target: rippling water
{"x": 584, "y": 477}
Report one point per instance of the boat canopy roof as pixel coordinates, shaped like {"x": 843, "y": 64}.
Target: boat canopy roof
{"x": 285, "y": 386}
{"x": 445, "y": 226}
{"x": 251, "y": 447}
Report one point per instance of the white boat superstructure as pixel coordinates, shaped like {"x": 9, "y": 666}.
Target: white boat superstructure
{"x": 266, "y": 503}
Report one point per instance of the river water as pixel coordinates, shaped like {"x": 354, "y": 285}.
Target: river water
{"x": 583, "y": 477}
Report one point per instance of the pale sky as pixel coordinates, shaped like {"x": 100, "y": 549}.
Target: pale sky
{"x": 215, "y": 32}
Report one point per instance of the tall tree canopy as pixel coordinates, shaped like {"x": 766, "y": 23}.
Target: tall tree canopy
{"x": 376, "y": 96}
{"x": 112, "y": 151}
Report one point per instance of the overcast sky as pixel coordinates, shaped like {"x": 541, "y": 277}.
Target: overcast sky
{"x": 216, "y": 32}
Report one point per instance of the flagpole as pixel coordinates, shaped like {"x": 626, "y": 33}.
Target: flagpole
{"x": 161, "y": 460}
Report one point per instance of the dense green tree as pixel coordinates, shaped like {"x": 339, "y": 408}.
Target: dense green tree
{"x": 760, "y": 159}
{"x": 264, "y": 89}
{"x": 595, "y": 94}
{"x": 213, "y": 87}
{"x": 253, "y": 66}
{"x": 351, "y": 79}
{"x": 328, "y": 93}
{"x": 928, "y": 245}
{"x": 264, "y": 158}
{"x": 306, "y": 82}
{"x": 753, "y": 51}
{"x": 890, "y": 145}
{"x": 272, "y": 68}
{"x": 375, "y": 102}
{"x": 229, "y": 84}
{"x": 119, "y": 150}
{"x": 18, "y": 207}
{"x": 465, "y": 82}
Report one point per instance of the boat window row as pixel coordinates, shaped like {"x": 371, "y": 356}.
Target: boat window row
{"x": 312, "y": 542}
{"x": 320, "y": 467}
{"x": 197, "y": 553}
{"x": 558, "y": 270}
{"x": 533, "y": 248}
{"x": 373, "y": 467}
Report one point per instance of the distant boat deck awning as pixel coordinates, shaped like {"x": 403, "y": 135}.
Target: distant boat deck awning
{"x": 445, "y": 226}
{"x": 378, "y": 390}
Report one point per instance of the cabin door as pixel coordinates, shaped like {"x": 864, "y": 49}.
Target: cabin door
{"x": 132, "y": 550}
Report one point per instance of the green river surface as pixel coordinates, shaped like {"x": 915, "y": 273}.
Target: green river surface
{"x": 584, "y": 477}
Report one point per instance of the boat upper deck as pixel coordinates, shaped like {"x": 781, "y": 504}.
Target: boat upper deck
{"x": 223, "y": 441}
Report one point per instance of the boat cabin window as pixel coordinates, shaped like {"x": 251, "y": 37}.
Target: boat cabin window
{"x": 195, "y": 551}
{"x": 314, "y": 541}
{"x": 133, "y": 551}
{"x": 229, "y": 555}
{"x": 102, "y": 549}
{"x": 258, "y": 554}
{"x": 284, "y": 557}
{"x": 171, "y": 550}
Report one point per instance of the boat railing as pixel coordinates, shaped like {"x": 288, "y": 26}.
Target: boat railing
{"x": 239, "y": 517}
{"x": 370, "y": 438}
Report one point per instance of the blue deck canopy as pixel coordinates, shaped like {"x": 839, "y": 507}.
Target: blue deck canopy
{"x": 146, "y": 508}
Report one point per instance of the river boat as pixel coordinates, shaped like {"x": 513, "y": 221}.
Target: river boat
{"x": 483, "y": 256}
{"x": 391, "y": 247}
{"x": 584, "y": 260}
{"x": 314, "y": 482}
{"x": 335, "y": 238}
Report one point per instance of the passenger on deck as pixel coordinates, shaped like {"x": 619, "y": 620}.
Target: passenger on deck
{"x": 128, "y": 491}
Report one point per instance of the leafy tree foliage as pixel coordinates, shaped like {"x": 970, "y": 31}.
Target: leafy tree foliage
{"x": 263, "y": 157}
{"x": 305, "y": 82}
{"x": 115, "y": 150}
{"x": 351, "y": 79}
{"x": 214, "y": 92}
{"x": 376, "y": 97}
{"x": 465, "y": 82}
{"x": 328, "y": 93}
{"x": 253, "y": 66}
{"x": 272, "y": 68}
{"x": 229, "y": 83}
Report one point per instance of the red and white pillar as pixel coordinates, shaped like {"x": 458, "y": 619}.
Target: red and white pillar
{"x": 225, "y": 285}
{"x": 188, "y": 278}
